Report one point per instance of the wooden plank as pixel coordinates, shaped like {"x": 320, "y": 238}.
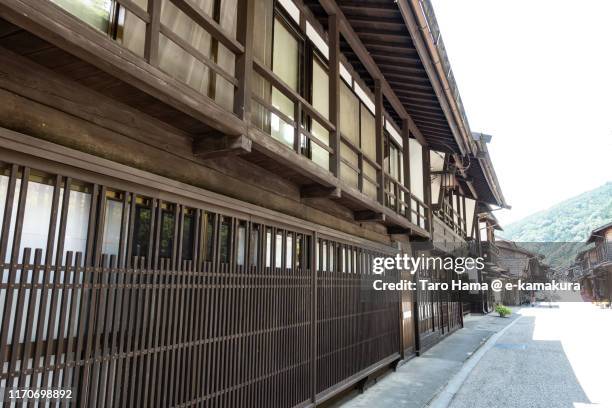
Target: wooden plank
{"x": 132, "y": 7}
{"x": 317, "y": 191}
{"x": 211, "y": 146}
{"x": 52, "y": 24}
{"x": 334, "y": 92}
{"x": 197, "y": 14}
{"x": 166, "y": 31}
{"x": 151, "y": 47}
{"x": 282, "y": 154}
{"x": 369, "y": 216}
{"x": 244, "y": 61}
{"x": 380, "y": 141}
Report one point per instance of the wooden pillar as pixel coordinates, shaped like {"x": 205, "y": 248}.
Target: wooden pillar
{"x": 151, "y": 51}
{"x": 427, "y": 189}
{"x": 406, "y": 154}
{"x": 334, "y": 92}
{"x": 244, "y": 61}
{"x": 380, "y": 140}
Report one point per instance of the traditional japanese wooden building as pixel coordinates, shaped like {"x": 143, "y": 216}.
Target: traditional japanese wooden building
{"x": 192, "y": 192}
{"x": 592, "y": 267}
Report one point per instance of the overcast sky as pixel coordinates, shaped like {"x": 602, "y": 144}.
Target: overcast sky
{"x": 537, "y": 75}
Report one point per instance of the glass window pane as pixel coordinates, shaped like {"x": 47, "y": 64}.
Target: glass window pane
{"x": 94, "y": 12}
{"x": 416, "y": 169}
{"x": 280, "y": 129}
{"x": 112, "y": 225}
{"x": 320, "y": 89}
{"x": 131, "y": 30}
{"x": 166, "y": 240}
{"x": 225, "y": 240}
{"x": 142, "y": 230}
{"x": 349, "y": 175}
{"x": 368, "y": 133}
{"x": 210, "y": 227}
{"x": 78, "y": 219}
{"x": 188, "y": 230}
{"x": 286, "y": 52}
{"x": 349, "y": 114}
{"x": 241, "y": 244}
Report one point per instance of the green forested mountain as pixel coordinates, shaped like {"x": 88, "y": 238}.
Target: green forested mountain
{"x": 566, "y": 223}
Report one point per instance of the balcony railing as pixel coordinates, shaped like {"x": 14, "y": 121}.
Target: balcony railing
{"x": 452, "y": 218}
{"x": 404, "y": 203}
{"x": 603, "y": 254}
{"x": 302, "y": 112}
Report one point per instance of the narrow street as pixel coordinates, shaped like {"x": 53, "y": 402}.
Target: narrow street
{"x": 550, "y": 357}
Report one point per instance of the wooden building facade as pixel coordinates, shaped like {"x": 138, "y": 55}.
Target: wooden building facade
{"x": 192, "y": 192}
{"x": 592, "y": 267}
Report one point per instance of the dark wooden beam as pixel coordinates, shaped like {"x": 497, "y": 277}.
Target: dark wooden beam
{"x": 369, "y": 216}
{"x": 218, "y": 145}
{"x": 201, "y": 17}
{"x": 244, "y": 62}
{"x": 151, "y": 51}
{"x": 49, "y": 22}
{"x": 427, "y": 189}
{"x": 318, "y": 191}
{"x": 380, "y": 141}
{"x": 406, "y": 155}
{"x": 272, "y": 148}
{"x": 397, "y": 230}
{"x": 334, "y": 92}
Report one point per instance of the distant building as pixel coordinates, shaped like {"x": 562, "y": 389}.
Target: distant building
{"x": 520, "y": 264}
{"x": 593, "y": 266}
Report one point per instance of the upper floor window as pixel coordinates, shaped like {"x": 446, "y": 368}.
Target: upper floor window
{"x": 358, "y": 147}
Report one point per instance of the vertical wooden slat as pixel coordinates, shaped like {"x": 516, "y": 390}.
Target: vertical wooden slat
{"x": 380, "y": 140}
{"x": 151, "y": 49}
{"x": 406, "y": 155}
{"x": 55, "y": 289}
{"x": 427, "y": 189}
{"x": 334, "y": 92}
{"x": 244, "y": 62}
{"x": 8, "y": 211}
{"x": 66, "y": 267}
{"x": 13, "y": 267}
{"x": 93, "y": 307}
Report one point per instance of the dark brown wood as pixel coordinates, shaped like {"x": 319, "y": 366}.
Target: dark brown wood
{"x": 51, "y": 23}
{"x": 380, "y": 141}
{"x": 212, "y": 146}
{"x": 369, "y": 216}
{"x": 151, "y": 47}
{"x": 244, "y": 61}
{"x": 202, "y": 18}
{"x": 334, "y": 92}
{"x": 317, "y": 191}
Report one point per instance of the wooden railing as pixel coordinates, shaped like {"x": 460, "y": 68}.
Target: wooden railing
{"x": 399, "y": 198}
{"x": 452, "y": 218}
{"x": 302, "y": 108}
{"x": 154, "y": 28}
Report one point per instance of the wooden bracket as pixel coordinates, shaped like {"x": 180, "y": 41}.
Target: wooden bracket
{"x": 369, "y": 216}
{"x": 317, "y": 191}
{"x": 396, "y": 230}
{"x": 219, "y": 145}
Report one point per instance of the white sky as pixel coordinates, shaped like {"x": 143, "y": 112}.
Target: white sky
{"x": 537, "y": 75}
